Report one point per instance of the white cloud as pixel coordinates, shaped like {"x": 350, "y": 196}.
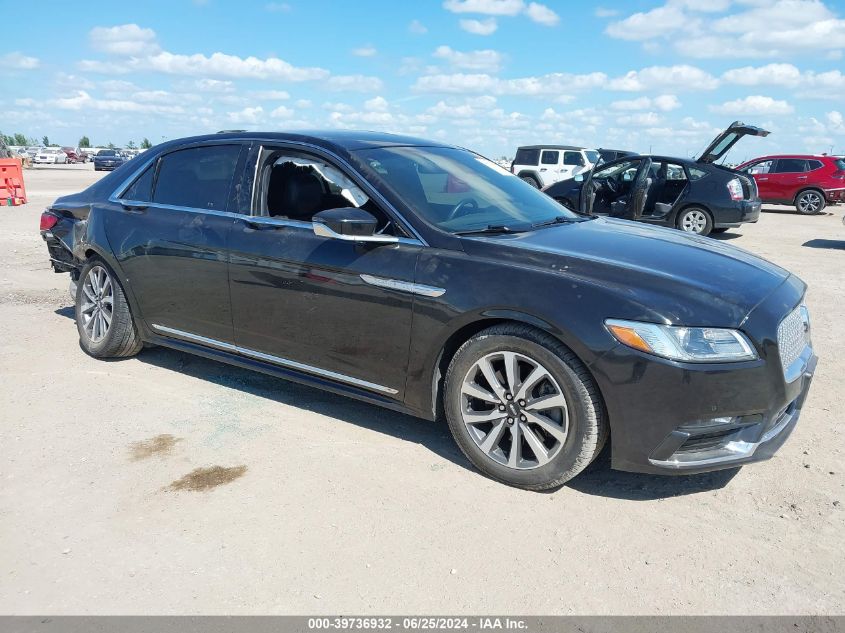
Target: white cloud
{"x": 18, "y": 61}
{"x": 83, "y": 100}
{"x": 769, "y": 75}
{"x": 271, "y": 95}
{"x": 836, "y": 121}
{"x": 376, "y": 104}
{"x": 282, "y": 113}
{"x": 680, "y": 77}
{"x": 556, "y": 84}
{"x": 249, "y": 115}
{"x": 223, "y": 65}
{"x": 641, "y": 119}
{"x": 649, "y": 24}
{"x": 480, "y": 27}
{"x": 277, "y": 7}
{"x": 126, "y": 39}
{"x": 354, "y": 83}
{"x": 213, "y": 85}
{"x": 487, "y": 7}
{"x": 365, "y": 51}
{"x": 754, "y": 104}
{"x": 541, "y": 14}
{"x": 417, "y": 28}
{"x": 664, "y": 103}
{"x": 488, "y": 60}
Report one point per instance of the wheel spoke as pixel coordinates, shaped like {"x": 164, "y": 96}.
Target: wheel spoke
{"x": 480, "y": 417}
{"x": 88, "y": 292}
{"x": 487, "y": 369}
{"x": 536, "y": 375}
{"x": 551, "y": 401}
{"x": 556, "y": 431}
{"x": 511, "y": 371}
{"x": 106, "y": 318}
{"x": 491, "y": 440}
{"x": 87, "y": 307}
{"x": 106, "y": 290}
{"x": 516, "y": 446}
{"x": 536, "y": 445}
{"x": 475, "y": 391}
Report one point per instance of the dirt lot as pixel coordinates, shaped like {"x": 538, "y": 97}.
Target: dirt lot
{"x": 171, "y": 484}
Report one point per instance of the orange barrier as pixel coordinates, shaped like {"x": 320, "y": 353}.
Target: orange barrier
{"x": 12, "y": 190}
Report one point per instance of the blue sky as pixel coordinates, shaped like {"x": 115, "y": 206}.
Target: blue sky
{"x": 659, "y": 75}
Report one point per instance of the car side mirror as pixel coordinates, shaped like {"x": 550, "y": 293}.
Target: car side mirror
{"x": 350, "y": 224}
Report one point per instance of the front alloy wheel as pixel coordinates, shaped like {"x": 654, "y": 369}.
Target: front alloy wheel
{"x": 523, "y": 408}
{"x": 514, "y": 410}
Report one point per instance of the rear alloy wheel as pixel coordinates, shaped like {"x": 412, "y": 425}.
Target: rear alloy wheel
{"x": 695, "y": 220}
{"x": 105, "y": 326}
{"x": 523, "y": 408}
{"x": 809, "y": 202}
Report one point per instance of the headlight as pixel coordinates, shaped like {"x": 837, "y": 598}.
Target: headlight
{"x": 688, "y": 344}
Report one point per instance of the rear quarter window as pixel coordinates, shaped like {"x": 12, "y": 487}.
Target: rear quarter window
{"x": 527, "y": 157}
{"x": 814, "y": 164}
{"x": 696, "y": 174}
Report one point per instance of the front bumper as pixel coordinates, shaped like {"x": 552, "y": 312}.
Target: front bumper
{"x": 671, "y": 418}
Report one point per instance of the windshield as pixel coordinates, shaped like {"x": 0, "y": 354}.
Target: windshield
{"x": 107, "y": 152}
{"x": 457, "y": 190}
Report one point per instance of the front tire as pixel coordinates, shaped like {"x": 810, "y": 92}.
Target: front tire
{"x": 105, "y": 325}
{"x": 809, "y": 202}
{"x": 523, "y": 408}
{"x": 695, "y": 220}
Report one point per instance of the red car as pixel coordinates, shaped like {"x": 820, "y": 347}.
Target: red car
{"x": 808, "y": 182}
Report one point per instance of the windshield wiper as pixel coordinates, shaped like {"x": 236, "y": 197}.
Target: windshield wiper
{"x": 560, "y": 219}
{"x": 491, "y": 229}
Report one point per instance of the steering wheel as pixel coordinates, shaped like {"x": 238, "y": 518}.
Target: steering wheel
{"x": 612, "y": 185}
{"x": 467, "y": 203}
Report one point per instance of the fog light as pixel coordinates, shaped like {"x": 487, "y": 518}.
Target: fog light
{"x": 709, "y": 422}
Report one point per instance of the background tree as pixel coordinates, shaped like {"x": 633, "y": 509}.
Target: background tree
{"x": 130, "y": 145}
{"x": 20, "y": 139}
{"x": 45, "y": 141}
{"x": 84, "y": 142}
{"x": 111, "y": 145}
{"x": 145, "y": 144}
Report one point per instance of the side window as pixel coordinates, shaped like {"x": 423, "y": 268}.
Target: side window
{"x": 142, "y": 189}
{"x": 625, "y": 171}
{"x": 675, "y": 172}
{"x": 199, "y": 177}
{"x": 296, "y": 186}
{"x": 763, "y": 167}
{"x": 790, "y": 166}
{"x": 696, "y": 174}
{"x": 526, "y": 156}
{"x": 813, "y": 165}
{"x": 573, "y": 158}
{"x": 550, "y": 157}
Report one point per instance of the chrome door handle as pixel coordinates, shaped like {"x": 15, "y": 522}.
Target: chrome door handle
{"x": 802, "y": 178}
{"x": 543, "y": 169}
{"x": 762, "y": 179}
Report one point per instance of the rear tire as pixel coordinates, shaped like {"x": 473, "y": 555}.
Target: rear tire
{"x": 531, "y": 180}
{"x": 558, "y": 419}
{"x": 695, "y": 220}
{"x": 809, "y": 202}
{"x": 103, "y": 319}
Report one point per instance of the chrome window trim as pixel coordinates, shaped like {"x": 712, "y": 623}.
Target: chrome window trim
{"x": 403, "y": 286}
{"x": 309, "y": 226}
{"x": 276, "y": 360}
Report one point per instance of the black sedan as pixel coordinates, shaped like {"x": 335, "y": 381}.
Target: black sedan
{"x": 426, "y": 279}
{"x": 108, "y": 159}
{"x": 697, "y": 196}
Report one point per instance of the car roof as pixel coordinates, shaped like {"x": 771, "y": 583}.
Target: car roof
{"x": 774, "y": 156}
{"x": 339, "y": 141}
{"x": 549, "y": 147}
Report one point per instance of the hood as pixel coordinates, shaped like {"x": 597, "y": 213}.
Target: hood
{"x": 654, "y": 274}
{"x": 720, "y": 145}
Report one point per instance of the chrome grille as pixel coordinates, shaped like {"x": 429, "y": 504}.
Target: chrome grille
{"x": 793, "y": 336}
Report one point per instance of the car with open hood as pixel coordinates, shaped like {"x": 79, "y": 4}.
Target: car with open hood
{"x": 427, "y": 279}
{"x": 695, "y": 195}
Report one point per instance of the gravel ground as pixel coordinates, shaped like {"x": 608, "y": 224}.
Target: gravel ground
{"x": 169, "y": 484}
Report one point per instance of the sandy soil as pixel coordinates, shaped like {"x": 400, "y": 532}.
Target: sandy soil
{"x": 171, "y": 484}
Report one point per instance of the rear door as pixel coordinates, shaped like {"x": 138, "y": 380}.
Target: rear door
{"x": 787, "y": 178}
{"x": 550, "y": 166}
{"x": 170, "y": 236}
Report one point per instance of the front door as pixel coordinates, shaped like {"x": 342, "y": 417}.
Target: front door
{"x": 616, "y": 189}
{"x": 762, "y": 173}
{"x": 170, "y": 237}
{"x": 337, "y": 309}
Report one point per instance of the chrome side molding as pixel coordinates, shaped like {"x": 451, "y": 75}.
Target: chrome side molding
{"x": 276, "y": 360}
{"x": 403, "y": 286}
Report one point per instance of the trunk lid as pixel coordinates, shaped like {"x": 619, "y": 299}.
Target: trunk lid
{"x": 720, "y": 145}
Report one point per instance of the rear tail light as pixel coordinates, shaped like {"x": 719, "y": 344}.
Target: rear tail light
{"x": 48, "y": 221}
{"x": 735, "y": 189}
{"x": 839, "y": 175}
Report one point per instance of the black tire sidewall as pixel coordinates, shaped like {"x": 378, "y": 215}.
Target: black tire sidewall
{"x": 531, "y": 180}
{"x": 569, "y": 382}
